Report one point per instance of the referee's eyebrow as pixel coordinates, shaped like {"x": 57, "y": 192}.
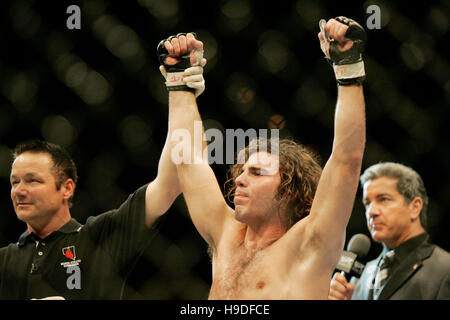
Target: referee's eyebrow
{"x": 27, "y": 175}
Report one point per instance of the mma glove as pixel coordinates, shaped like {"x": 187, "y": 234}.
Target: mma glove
{"x": 182, "y": 76}
{"x": 348, "y": 65}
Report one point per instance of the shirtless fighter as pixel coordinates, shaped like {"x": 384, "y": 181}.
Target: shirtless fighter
{"x": 275, "y": 244}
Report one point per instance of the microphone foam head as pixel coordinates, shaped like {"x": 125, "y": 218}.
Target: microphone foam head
{"x": 359, "y": 244}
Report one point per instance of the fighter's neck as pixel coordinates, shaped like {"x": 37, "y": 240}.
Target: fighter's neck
{"x": 260, "y": 238}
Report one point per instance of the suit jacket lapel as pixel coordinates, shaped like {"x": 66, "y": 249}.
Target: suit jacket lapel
{"x": 407, "y": 268}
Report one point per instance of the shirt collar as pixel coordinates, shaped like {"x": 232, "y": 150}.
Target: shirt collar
{"x": 406, "y": 247}
{"x": 70, "y": 227}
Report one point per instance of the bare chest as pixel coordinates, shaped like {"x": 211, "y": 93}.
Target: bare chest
{"x": 243, "y": 274}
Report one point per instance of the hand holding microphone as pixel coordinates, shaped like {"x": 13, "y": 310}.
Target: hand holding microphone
{"x": 340, "y": 288}
{"x": 357, "y": 248}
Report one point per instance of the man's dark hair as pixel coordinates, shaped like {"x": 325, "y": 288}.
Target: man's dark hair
{"x": 409, "y": 183}
{"x": 63, "y": 165}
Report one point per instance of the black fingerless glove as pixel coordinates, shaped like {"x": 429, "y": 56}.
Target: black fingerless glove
{"x": 174, "y": 78}
{"x": 348, "y": 65}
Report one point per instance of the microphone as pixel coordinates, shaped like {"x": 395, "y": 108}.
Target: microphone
{"x": 357, "y": 248}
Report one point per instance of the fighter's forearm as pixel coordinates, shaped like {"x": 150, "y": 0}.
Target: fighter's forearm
{"x": 350, "y": 127}
{"x": 182, "y": 106}
{"x": 185, "y": 126}
{"x": 166, "y": 187}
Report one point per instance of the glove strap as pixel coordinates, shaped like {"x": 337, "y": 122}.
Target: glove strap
{"x": 347, "y": 74}
{"x": 174, "y": 82}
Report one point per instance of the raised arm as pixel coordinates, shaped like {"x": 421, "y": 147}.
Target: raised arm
{"x": 206, "y": 204}
{"x": 335, "y": 194}
{"x": 162, "y": 191}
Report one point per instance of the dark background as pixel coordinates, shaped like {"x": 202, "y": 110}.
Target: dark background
{"x": 98, "y": 92}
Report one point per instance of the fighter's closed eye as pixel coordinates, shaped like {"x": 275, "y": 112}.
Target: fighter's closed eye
{"x": 256, "y": 171}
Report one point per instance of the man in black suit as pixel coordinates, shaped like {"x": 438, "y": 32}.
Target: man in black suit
{"x": 409, "y": 266}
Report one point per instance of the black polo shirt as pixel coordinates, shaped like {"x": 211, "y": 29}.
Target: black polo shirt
{"x": 77, "y": 261}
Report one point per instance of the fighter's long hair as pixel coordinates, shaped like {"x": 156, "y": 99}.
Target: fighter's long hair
{"x": 299, "y": 171}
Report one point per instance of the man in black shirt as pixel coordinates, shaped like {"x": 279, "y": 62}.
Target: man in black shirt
{"x": 410, "y": 266}
{"x": 59, "y": 258}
